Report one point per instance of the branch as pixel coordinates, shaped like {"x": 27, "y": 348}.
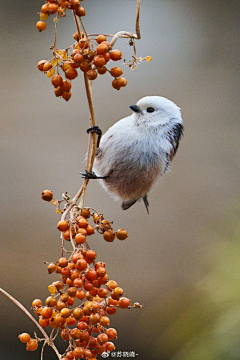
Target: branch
{"x": 47, "y": 339}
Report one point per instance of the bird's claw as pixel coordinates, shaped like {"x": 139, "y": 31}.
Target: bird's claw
{"x": 89, "y": 175}
{"x": 95, "y": 130}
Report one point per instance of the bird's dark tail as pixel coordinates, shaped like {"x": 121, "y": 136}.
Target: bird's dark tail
{"x": 145, "y": 200}
{"x": 127, "y": 204}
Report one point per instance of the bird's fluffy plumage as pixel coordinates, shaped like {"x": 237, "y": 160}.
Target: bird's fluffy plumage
{"x": 136, "y": 150}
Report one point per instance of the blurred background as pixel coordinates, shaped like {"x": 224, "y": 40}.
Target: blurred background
{"x": 183, "y": 260}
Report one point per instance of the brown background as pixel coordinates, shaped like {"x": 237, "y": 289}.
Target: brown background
{"x": 183, "y": 261}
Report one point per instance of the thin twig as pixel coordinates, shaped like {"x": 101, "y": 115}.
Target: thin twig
{"x": 48, "y": 341}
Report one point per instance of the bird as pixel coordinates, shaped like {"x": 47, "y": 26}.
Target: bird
{"x": 137, "y": 150}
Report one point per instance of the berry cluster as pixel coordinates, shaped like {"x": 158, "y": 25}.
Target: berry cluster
{"x": 83, "y": 297}
{"x": 87, "y": 54}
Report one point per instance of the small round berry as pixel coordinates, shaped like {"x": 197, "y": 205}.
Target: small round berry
{"x": 46, "y": 312}
{"x": 81, "y": 264}
{"x": 115, "y": 84}
{"x": 44, "y": 8}
{"x": 66, "y": 85}
{"x": 85, "y": 66}
{"x": 111, "y": 310}
{"x": 97, "y": 218}
{"x": 112, "y": 284}
{"x": 63, "y": 225}
{"x": 78, "y": 352}
{"x": 69, "y": 355}
{"x": 117, "y": 293}
{"x": 57, "y": 80}
{"x": 107, "y": 57}
{"x": 102, "y": 49}
{"x": 116, "y": 55}
{"x": 77, "y": 58}
{"x": 63, "y": 262}
{"x": 80, "y": 11}
{"x": 116, "y": 71}
{"x": 65, "y": 312}
{"x": 72, "y": 291}
{"x": 41, "y": 25}
{"x": 101, "y": 271}
{"x": 83, "y": 44}
{"x": 80, "y": 238}
{"x": 24, "y": 337}
{"x": 101, "y": 38}
{"x": 51, "y": 268}
{"x": 71, "y": 74}
{"x": 37, "y": 302}
{"x": 108, "y": 44}
{"x": 75, "y": 333}
{"x": 59, "y": 320}
{"x": 121, "y": 234}
{"x": 65, "y": 335}
{"x": 43, "y": 322}
{"x": 50, "y": 301}
{"x": 94, "y": 318}
{"x": 111, "y": 333}
{"x": 66, "y": 95}
{"x": 92, "y": 74}
{"x": 90, "y": 229}
{"x": 82, "y": 222}
{"x": 109, "y": 235}
{"x": 80, "y": 294}
{"x": 47, "y": 195}
{"x": 102, "y": 338}
{"x": 85, "y": 213}
{"x": 124, "y": 302}
{"x": 110, "y": 346}
{"x": 104, "y": 321}
{"x": 47, "y": 66}
{"x": 91, "y": 275}
{"x": 121, "y": 81}
{"x": 50, "y": 72}
{"x": 78, "y": 313}
{"x": 40, "y": 64}
{"x": 32, "y": 345}
{"x": 99, "y": 61}
{"x": 58, "y": 91}
{"x": 78, "y": 282}
{"x": 102, "y": 70}
{"x": 52, "y": 8}
{"x": 43, "y": 16}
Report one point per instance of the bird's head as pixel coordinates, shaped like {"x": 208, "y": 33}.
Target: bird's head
{"x": 155, "y": 111}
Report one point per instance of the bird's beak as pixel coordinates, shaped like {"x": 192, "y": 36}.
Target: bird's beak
{"x": 135, "y": 108}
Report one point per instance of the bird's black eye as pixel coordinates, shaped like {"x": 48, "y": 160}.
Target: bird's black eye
{"x": 150, "y": 109}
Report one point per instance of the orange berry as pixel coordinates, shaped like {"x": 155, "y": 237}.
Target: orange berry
{"x": 72, "y": 291}
{"x": 63, "y": 225}
{"x": 123, "y": 302}
{"x": 77, "y": 58}
{"x": 99, "y": 61}
{"x": 41, "y": 25}
{"x": 85, "y": 66}
{"x": 110, "y": 346}
{"x": 109, "y": 235}
{"x": 57, "y": 80}
{"x": 44, "y": 8}
{"x": 65, "y": 312}
{"x": 51, "y": 268}
{"x": 37, "y": 302}
{"x": 116, "y": 71}
{"x": 80, "y": 238}
{"x": 90, "y": 229}
{"x": 71, "y": 74}
{"x": 66, "y": 85}
{"x": 116, "y": 55}
{"x": 102, "y": 338}
{"x": 47, "y": 195}
{"x": 83, "y": 44}
{"x": 78, "y": 313}
{"x": 52, "y": 8}
{"x": 111, "y": 333}
{"x": 65, "y": 335}
{"x": 91, "y": 255}
{"x": 51, "y": 301}
{"x": 111, "y": 310}
{"x": 58, "y": 91}
{"x": 78, "y": 282}
{"x": 63, "y": 262}
{"x": 66, "y": 95}
{"x": 80, "y": 11}
{"x": 102, "y": 49}
{"x": 107, "y": 57}
{"x": 46, "y": 312}
{"x": 105, "y": 225}
{"x": 97, "y": 218}
{"x": 91, "y": 275}
{"x": 40, "y": 64}
{"x": 94, "y": 318}
{"x": 59, "y": 320}
{"x": 112, "y": 284}
{"x": 82, "y": 222}
{"x": 32, "y": 345}
{"x": 121, "y": 234}
{"x": 75, "y": 333}
{"x": 24, "y": 337}
{"x": 69, "y": 355}
{"x": 58, "y": 285}
{"x": 100, "y": 38}
{"x": 121, "y": 81}
{"x": 83, "y": 231}
{"x": 92, "y": 74}
{"x": 80, "y": 294}
{"x": 81, "y": 264}
{"x": 43, "y": 322}
{"x": 86, "y": 213}
{"x": 117, "y": 293}
{"x": 108, "y": 44}
{"x": 115, "y": 84}
{"x": 78, "y": 352}
{"x": 104, "y": 321}
{"x": 47, "y": 66}
{"x": 101, "y": 271}
{"x": 102, "y": 70}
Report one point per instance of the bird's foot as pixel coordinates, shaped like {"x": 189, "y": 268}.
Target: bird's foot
{"x": 90, "y": 175}
{"x": 96, "y": 130}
